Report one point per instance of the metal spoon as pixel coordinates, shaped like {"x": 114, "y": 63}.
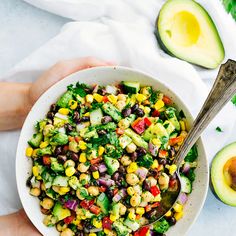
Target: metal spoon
{"x": 223, "y": 89}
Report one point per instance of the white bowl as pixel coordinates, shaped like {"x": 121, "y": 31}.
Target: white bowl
{"x": 103, "y": 76}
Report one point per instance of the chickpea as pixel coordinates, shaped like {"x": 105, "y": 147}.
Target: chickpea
{"x": 80, "y": 193}
{"x": 69, "y": 163}
{"x": 82, "y": 167}
{"x": 120, "y": 105}
{"x": 123, "y": 209}
{"x": 138, "y": 189}
{"x": 47, "y": 203}
{"x": 147, "y": 196}
{"x": 35, "y": 192}
{"x": 60, "y": 227}
{"x": 56, "y": 188}
{"x": 93, "y": 190}
{"x": 123, "y": 124}
{"x": 47, "y": 129}
{"x": 73, "y": 146}
{"x": 135, "y": 200}
{"x": 84, "y": 178}
{"x": 132, "y": 179}
{"x": 49, "y": 220}
{"x": 43, "y": 187}
{"x": 143, "y": 204}
{"x": 67, "y": 232}
{"x": 152, "y": 181}
{"x": 164, "y": 181}
{"x": 131, "y": 148}
{"x": 121, "y": 97}
{"x": 125, "y": 160}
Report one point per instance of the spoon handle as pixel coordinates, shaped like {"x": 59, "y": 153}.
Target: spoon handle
{"x": 223, "y": 89}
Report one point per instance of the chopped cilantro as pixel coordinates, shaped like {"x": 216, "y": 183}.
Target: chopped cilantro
{"x": 233, "y": 100}
{"x": 219, "y": 129}
{"x": 154, "y": 97}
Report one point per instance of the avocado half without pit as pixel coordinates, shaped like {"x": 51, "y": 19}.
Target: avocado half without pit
{"x": 223, "y": 174}
{"x": 185, "y": 30}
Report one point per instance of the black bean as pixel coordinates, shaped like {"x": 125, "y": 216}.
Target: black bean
{"x": 172, "y": 151}
{"x": 172, "y": 221}
{"x": 141, "y": 151}
{"x": 84, "y": 119}
{"x": 58, "y": 150}
{"x": 93, "y": 168}
{"x": 126, "y": 112}
{"x": 109, "y": 193}
{"x": 80, "y": 233}
{"x": 121, "y": 170}
{"x": 134, "y": 107}
{"x": 134, "y": 156}
{"x": 74, "y": 156}
{"x": 53, "y": 108}
{"x": 76, "y": 117}
{"x": 139, "y": 112}
{"x": 102, "y": 132}
{"x": 162, "y": 161}
{"x": 115, "y": 176}
{"x": 61, "y": 158}
{"x": 146, "y": 185}
{"x": 28, "y": 182}
{"x": 151, "y": 214}
{"x": 50, "y": 115}
{"x": 68, "y": 128}
{"x": 106, "y": 119}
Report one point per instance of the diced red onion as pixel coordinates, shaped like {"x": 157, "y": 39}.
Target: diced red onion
{"x": 80, "y": 126}
{"x": 186, "y": 168}
{"x": 71, "y": 204}
{"x": 116, "y": 198}
{"x": 153, "y": 149}
{"x": 111, "y": 89}
{"x": 102, "y": 168}
{"x": 182, "y": 198}
{"x": 142, "y": 172}
{"x": 95, "y": 89}
{"x": 106, "y": 182}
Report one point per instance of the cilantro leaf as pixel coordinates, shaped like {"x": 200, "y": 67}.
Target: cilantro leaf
{"x": 233, "y": 100}
{"x": 219, "y": 129}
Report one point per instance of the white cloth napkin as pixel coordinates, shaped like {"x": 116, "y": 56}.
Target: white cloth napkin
{"x": 122, "y": 32}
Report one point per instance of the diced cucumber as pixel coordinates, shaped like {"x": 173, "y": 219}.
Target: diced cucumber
{"x": 55, "y": 166}
{"x": 169, "y": 126}
{"x": 64, "y": 99}
{"x": 131, "y": 87}
{"x": 96, "y": 117}
{"x": 155, "y": 131}
{"x": 136, "y": 138}
{"x": 103, "y": 202}
{"x": 44, "y": 151}
{"x": 171, "y": 115}
{"x": 185, "y": 184}
{"x": 61, "y": 181}
{"x": 111, "y": 110}
{"x": 131, "y": 224}
{"x": 36, "y": 140}
{"x": 111, "y": 89}
{"x": 124, "y": 140}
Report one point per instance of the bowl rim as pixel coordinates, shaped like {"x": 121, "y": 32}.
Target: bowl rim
{"x": 111, "y": 68}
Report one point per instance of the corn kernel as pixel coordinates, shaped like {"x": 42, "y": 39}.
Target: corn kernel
{"x": 147, "y": 110}
{"x": 132, "y": 216}
{"x": 140, "y": 210}
{"x": 82, "y": 157}
{"x": 92, "y": 234}
{"x": 112, "y": 98}
{"x": 76, "y": 222}
{"x": 82, "y": 145}
{"x": 178, "y": 207}
{"x": 29, "y": 151}
{"x": 70, "y": 171}
{"x": 178, "y": 215}
{"x": 168, "y": 214}
{"x": 182, "y": 125}
{"x": 113, "y": 217}
{"x": 107, "y": 231}
{"x": 43, "y": 144}
{"x": 89, "y": 98}
{"x": 95, "y": 175}
{"x": 101, "y": 150}
{"x": 132, "y": 167}
{"x": 64, "y": 111}
{"x": 172, "y": 169}
{"x": 130, "y": 191}
{"x": 64, "y": 190}
{"x": 155, "y": 164}
{"x": 73, "y": 104}
{"x": 159, "y": 104}
{"x": 98, "y": 97}
{"x": 141, "y": 97}
{"x": 97, "y": 223}
{"x": 156, "y": 141}
{"x": 35, "y": 171}
{"x": 35, "y": 152}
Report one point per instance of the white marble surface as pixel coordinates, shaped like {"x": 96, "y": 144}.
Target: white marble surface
{"x": 24, "y": 29}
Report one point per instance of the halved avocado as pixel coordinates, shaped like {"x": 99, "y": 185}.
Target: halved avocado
{"x": 185, "y": 30}
{"x": 223, "y": 174}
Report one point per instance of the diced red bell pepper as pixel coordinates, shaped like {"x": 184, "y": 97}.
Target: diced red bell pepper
{"x": 156, "y": 204}
{"x": 156, "y": 113}
{"x": 142, "y": 232}
{"x": 46, "y": 160}
{"x": 167, "y": 100}
{"x": 86, "y": 204}
{"x": 147, "y": 121}
{"x": 138, "y": 126}
{"x": 102, "y": 189}
{"x": 176, "y": 140}
{"x": 95, "y": 209}
{"x": 120, "y": 131}
{"x": 163, "y": 153}
{"x": 155, "y": 190}
{"x": 95, "y": 161}
{"x": 65, "y": 148}
{"x": 106, "y": 223}
{"x": 69, "y": 219}
{"x": 105, "y": 99}
{"x": 115, "y": 191}
{"x": 148, "y": 208}
{"x": 77, "y": 139}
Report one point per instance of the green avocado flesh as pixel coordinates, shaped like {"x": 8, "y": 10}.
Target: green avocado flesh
{"x": 223, "y": 174}
{"x": 185, "y": 30}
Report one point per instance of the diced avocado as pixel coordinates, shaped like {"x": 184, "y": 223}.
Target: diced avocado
{"x": 121, "y": 229}
{"x": 47, "y": 179}
{"x": 171, "y": 115}
{"x": 59, "y": 139}
{"x": 174, "y": 135}
{"x": 73, "y": 146}
{"x": 41, "y": 124}
{"x": 103, "y": 202}
{"x": 186, "y": 185}
{"x": 60, "y": 212}
{"x": 124, "y": 140}
{"x": 87, "y": 133}
{"x": 129, "y": 119}
{"x": 111, "y": 110}
{"x": 111, "y": 126}
{"x": 58, "y": 122}
{"x": 44, "y": 151}
{"x": 61, "y": 181}
{"x": 169, "y": 127}
{"x": 64, "y": 99}
{"x": 136, "y": 138}
{"x": 116, "y": 210}
{"x": 36, "y": 140}
{"x": 182, "y": 27}
{"x": 96, "y": 117}
{"x": 55, "y": 166}
{"x": 131, "y": 87}
{"x": 74, "y": 182}
{"x": 50, "y": 193}
{"x": 155, "y": 131}
{"x": 131, "y": 224}
{"x": 161, "y": 226}
{"x": 112, "y": 164}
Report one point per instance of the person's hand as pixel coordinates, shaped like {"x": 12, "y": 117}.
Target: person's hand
{"x": 16, "y": 99}
{"x": 17, "y": 224}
